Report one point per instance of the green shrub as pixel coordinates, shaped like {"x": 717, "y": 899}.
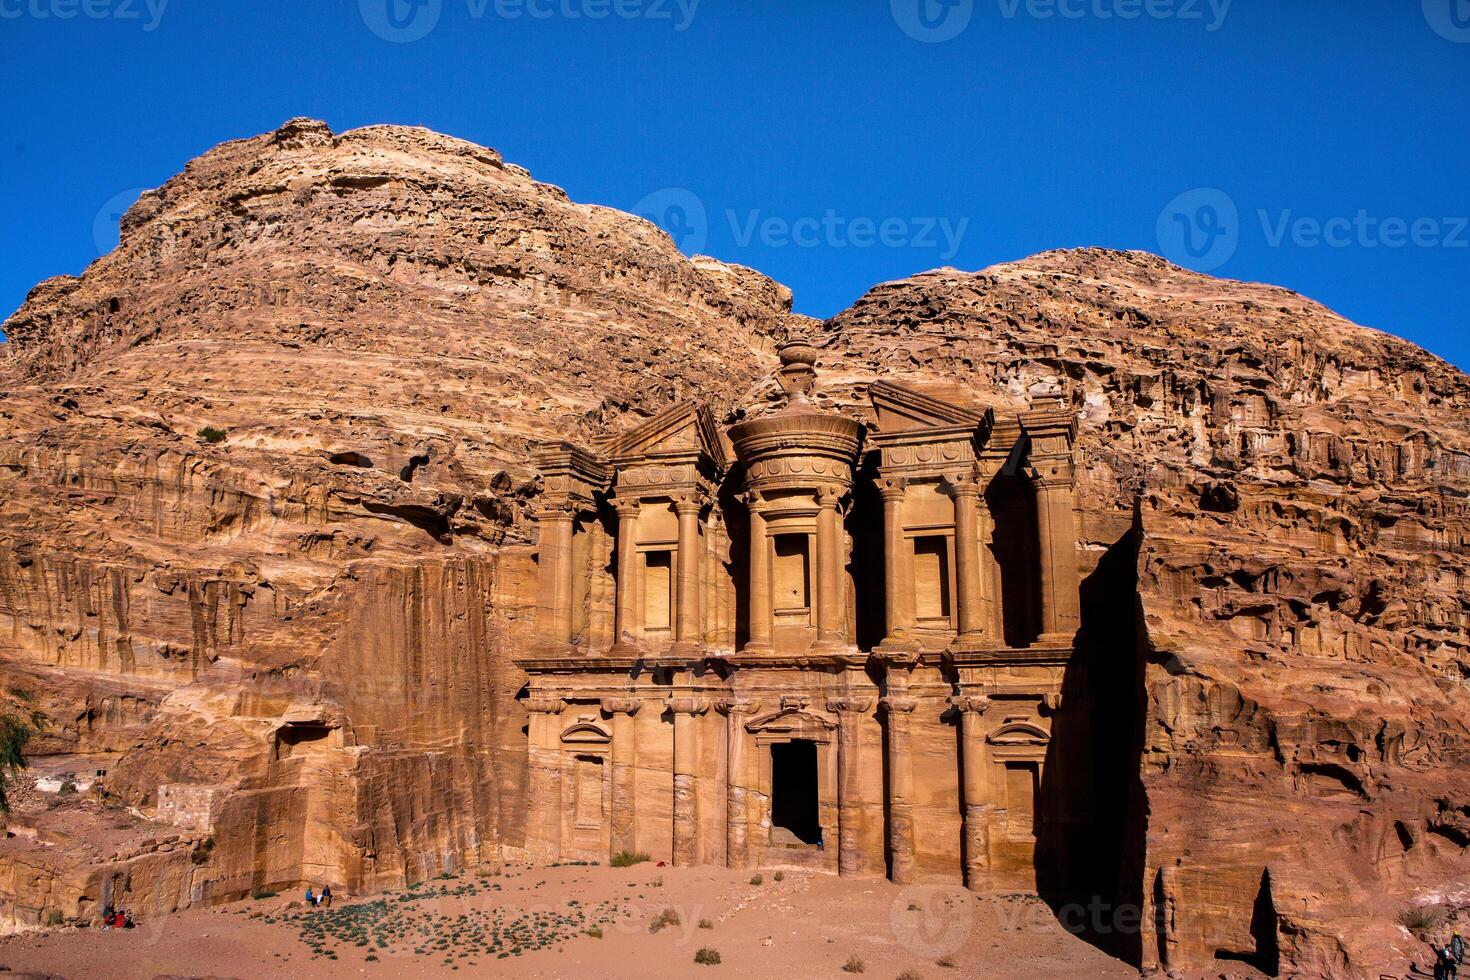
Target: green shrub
{"x": 68, "y": 787}
{"x": 779, "y": 876}
{"x": 947, "y": 962}
{"x": 910, "y": 975}
{"x": 595, "y": 932}
{"x": 706, "y": 924}
{"x": 757, "y": 880}
{"x": 626, "y": 859}
{"x": 707, "y": 957}
{"x": 53, "y": 917}
{"x": 854, "y": 964}
{"x": 212, "y": 435}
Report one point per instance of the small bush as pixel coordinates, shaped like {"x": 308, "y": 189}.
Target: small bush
{"x": 854, "y": 964}
{"x": 945, "y": 962}
{"x": 1421, "y": 918}
{"x": 911, "y": 975}
{"x": 779, "y": 876}
{"x": 53, "y": 917}
{"x": 260, "y": 893}
{"x": 707, "y": 957}
{"x": 757, "y": 880}
{"x": 657, "y": 882}
{"x": 626, "y": 859}
{"x": 706, "y": 924}
{"x": 595, "y": 932}
{"x": 668, "y": 917}
{"x": 202, "y": 850}
{"x": 212, "y": 435}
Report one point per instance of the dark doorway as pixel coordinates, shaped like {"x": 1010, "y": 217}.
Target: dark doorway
{"x": 794, "y": 793}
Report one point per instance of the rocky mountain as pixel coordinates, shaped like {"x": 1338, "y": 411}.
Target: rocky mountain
{"x": 265, "y": 469}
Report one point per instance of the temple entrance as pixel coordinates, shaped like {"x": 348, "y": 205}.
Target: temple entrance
{"x": 794, "y": 819}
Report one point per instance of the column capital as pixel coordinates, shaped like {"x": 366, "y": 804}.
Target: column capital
{"x": 1052, "y": 474}
{"x": 899, "y": 703}
{"x": 891, "y": 488}
{"x": 829, "y": 497}
{"x": 554, "y": 509}
{"x": 622, "y": 705}
{"x": 958, "y": 485}
{"x": 627, "y": 506}
{"x": 688, "y": 503}
{"x": 737, "y": 706}
{"x": 545, "y": 704}
{"x": 687, "y": 705}
{"x": 850, "y": 704}
{"x": 754, "y": 501}
{"x": 964, "y": 703}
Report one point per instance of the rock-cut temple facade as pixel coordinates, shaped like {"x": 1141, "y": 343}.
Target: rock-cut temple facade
{"x": 804, "y": 641}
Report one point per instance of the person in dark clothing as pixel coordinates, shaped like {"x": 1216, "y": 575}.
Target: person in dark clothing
{"x": 1457, "y": 948}
{"x": 1445, "y": 967}
{"x": 327, "y": 895}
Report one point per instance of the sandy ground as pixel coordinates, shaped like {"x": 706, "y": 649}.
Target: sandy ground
{"x": 542, "y": 922}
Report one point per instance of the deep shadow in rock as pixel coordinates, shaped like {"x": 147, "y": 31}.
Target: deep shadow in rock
{"x": 1090, "y": 842}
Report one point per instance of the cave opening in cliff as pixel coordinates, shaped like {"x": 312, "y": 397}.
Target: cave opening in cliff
{"x": 794, "y": 817}
{"x": 1090, "y": 845}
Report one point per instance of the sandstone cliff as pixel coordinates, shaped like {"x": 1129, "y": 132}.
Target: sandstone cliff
{"x": 294, "y": 640}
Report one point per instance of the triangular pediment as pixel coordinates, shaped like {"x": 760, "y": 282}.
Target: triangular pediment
{"x": 685, "y": 428}
{"x": 793, "y": 722}
{"x": 901, "y": 408}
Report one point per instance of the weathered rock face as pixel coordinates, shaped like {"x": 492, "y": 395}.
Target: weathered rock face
{"x": 299, "y": 636}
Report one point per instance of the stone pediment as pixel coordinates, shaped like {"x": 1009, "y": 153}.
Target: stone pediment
{"x": 586, "y": 733}
{"x": 686, "y": 429}
{"x": 793, "y": 723}
{"x": 1019, "y": 733}
{"x": 903, "y": 408}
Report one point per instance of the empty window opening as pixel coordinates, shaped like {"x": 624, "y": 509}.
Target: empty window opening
{"x": 794, "y": 793}
{"x": 931, "y": 578}
{"x": 658, "y": 577}
{"x": 1021, "y": 785}
{"x": 791, "y": 572}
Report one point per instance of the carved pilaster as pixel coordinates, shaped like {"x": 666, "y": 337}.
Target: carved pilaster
{"x": 737, "y": 781}
{"x": 898, "y": 707}
{"x": 686, "y": 761}
{"x": 850, "y": 711}
{"x": 898, "y": 568}
{"x": 544, "y": 792}
{"x": 628, "y": 627}
{"x": 975, "y": 763}
{"x": 964, "y": 490}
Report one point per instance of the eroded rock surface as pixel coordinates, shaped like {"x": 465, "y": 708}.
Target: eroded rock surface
{"x": 294, "y": 633}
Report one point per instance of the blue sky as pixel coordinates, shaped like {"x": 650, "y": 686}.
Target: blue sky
{"x": 833, "y": 144}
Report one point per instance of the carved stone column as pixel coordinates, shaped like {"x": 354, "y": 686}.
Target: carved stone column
{"x": 623, "y": 835}
{"x": 687, "y": 630}
{"x": 850, "y": 711}
{"x": 1056, "y": 529}
{"x": 737, "y": 805}
{"x": 829, "y": 570}
{"x": 762, "y": 617}
{"x": 898, "y": 568}
{"x": 965, "y": 492}
{"x": 629, "y": 626}
{"x": 554, "y": 582}
{"x": 899, "y": 705}
{"x": 976, "y": 782}
{"x": 686, "y": 796}
{"x": 544, "y": 791}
